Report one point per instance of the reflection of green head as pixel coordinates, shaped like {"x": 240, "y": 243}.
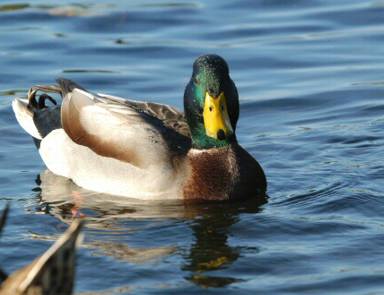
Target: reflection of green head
{"x": 211, "y": 103}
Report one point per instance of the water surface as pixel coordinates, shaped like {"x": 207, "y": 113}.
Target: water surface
{"x": 310, "y": 79}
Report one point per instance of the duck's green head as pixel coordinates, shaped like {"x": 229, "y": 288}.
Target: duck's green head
{"x": 211, "y": 103}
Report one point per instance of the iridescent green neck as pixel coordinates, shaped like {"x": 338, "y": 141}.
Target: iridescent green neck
{"x": 201, "y": 141}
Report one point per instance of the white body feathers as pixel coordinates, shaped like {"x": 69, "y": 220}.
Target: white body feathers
{"x": 113, "y": 127}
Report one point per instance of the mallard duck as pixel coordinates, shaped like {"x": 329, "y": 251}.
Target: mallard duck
{"x": 146, "y": 150}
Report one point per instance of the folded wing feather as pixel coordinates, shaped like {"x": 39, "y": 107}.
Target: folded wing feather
{"x": 129, "y": 131}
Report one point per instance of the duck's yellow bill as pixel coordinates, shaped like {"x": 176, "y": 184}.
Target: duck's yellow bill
{"x": 216, "y": 118}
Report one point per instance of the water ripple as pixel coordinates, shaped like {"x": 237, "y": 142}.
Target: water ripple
{"x": 309, "y": 75}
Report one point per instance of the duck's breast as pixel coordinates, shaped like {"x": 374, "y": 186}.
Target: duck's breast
{"x": 214, "y": 173}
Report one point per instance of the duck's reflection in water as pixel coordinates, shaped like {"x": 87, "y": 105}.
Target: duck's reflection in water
{"x": 104, "y": 216}
{"x": 210, "y": 224}
{"x": 211, "y": 251}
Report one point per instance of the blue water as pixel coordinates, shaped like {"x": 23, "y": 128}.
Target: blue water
{"x": 310, "y": 79}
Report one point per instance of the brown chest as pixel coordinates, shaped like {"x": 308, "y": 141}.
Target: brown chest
{"x": 213, "y": 175}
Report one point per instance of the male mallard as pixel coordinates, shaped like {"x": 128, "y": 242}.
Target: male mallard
{"x": 147, "y": 150}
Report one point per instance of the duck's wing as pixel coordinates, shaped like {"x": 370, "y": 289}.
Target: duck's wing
{"x": 51, "y": 273}
{"x": 169, "y": 116}
{"x": 130, "y": 131}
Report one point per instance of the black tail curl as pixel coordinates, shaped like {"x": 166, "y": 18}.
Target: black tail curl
{"x": 37, "y": 102}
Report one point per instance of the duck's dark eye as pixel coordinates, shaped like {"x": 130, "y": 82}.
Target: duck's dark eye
{"x": 222, "y": 107}
{"x": 196, "y": 80}
{"x": 210, "y": 108}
